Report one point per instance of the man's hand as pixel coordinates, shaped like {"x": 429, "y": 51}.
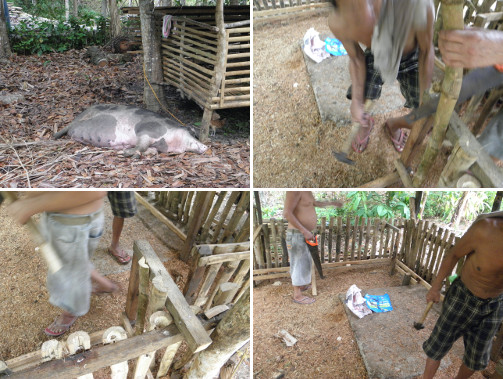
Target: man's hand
{"x": 471, "y": 48}
{"x": 20, "y": 211}
{"x": 308, "y": 235}
{"x": 433, "y": 295}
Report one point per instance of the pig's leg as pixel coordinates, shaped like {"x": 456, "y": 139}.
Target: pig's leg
{"x": 142, "y": 144}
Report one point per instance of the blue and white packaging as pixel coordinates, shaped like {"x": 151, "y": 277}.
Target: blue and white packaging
{"x": 378, "y": 303}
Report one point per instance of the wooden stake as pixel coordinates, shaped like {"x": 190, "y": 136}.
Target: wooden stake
{"x": 143, "y": 270}
{"x": 452, "y": 13}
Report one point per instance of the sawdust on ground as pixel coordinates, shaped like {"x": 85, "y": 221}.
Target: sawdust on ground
{"x": 326, "y": 346}
{"x": 25, "y": 310}
{"x": 291, "y": 146}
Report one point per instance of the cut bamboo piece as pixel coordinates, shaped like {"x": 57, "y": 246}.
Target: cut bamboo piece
{"x": 144, "y": 273}
{"x": 113, "y": 335}
{"x": 452, "y": 13}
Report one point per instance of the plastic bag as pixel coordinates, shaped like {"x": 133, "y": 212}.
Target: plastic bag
{"x": 379, "y": 303}
{"x": 356, "y": 302}
{"x": 314, "y": 47}
{"x": 335, "y": 47}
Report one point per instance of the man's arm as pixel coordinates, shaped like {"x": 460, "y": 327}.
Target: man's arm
{"x": 471, "y": 48}
{"x": 51, "y": 201}
{"x": 426, "y": 55}
{"x": 357, "y": 69}
{"x": 324, "y": 204}
{"x": 465, "y": 246}
{"x": 291, "y": 201}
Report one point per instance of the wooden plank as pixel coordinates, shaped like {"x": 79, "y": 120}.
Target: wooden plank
{"x": 374, "y": 238}
{"x": 205, "y": 287}
{"x": 230, "y": 202}
{"x": 438, "y": 240}
{"x": 323, "y": 237}
{"x": 382, "y": 247}
{"x": 389, "y": 231}
{"x": 160, "y": 217}
{"x": 267, "y": 246}
{"x": 330, "y": 237}
{"x": 186, "y": 210}
{"x": 212, "y": 215}
{"x": 431, "y": 247}
{"x": 241, "y": 207}
{"x": 192, "y": 330}
{"x": 201, "y": 204}
{"x": 221, "y": 258}
{"x": 425, "y": 254}
{"x": 367, "y": 239}
{"x": 228, "y": 270}
{"x": 102, "y": 356}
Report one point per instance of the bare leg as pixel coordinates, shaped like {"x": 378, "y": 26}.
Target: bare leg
{"x": 102, "y": 284}
{"x": 464, "y": 372}
{"x": 394, "y": 125}
{"x": 298, "y": 297}
{"x": 431, "y": 368}
{"x": 115, "y": 249}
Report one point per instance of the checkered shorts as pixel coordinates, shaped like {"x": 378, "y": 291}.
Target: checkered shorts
{"x": 123, "y": 203}
{"x": 464, "y": 314}
{"x": 408, "y": 77}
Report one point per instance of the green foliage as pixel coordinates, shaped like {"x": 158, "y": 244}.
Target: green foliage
{"x": 442, "y": 204}
{"x": 367, "y": 204}
{"x": 275, "y": 211}
{"x": 38, "y": 37}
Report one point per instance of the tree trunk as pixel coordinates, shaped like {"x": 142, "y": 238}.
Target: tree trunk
{"x": 5, "y": 51}
{"x": 230, "y": 334}
{"x": 423, "y": 204}
{"x": 75, "y": 8}
{"x": 115, "y": 21}
{"x": 460, "y": 209}
{"x": 419, "y": 196}
{"x": 497, "y": 201}
{"x": 67, "y": 10}
{"x": 104, "y": 8}
{"x": 152, "y": 60}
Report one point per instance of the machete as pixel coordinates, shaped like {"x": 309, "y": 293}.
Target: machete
{"x": 476, "y": 82}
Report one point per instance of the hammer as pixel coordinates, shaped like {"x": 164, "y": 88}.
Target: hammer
{"x": 53, "y": 262}
{"x": 419, "y": 325}
{"x": 342, "y": 156}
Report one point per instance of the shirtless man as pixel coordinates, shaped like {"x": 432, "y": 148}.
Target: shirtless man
{"x": 72, "y": 222}
{"x": 352, "y": 22}
{"x": 301, "y": 216}
{"x": 473, "y": 305}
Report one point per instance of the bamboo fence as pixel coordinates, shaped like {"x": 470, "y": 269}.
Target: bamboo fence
{"x": 417, "y": 246}
{"x": 211, "y": 217}
{"x": 272, "y": 10}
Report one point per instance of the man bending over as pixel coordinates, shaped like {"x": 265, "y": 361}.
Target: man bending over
{"x": 398, "y": 39}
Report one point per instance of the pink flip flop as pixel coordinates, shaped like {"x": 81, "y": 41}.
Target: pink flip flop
{"x": 58, "y": 326}
{"x": 304, "y": 300}
{"x": 122, "y": 258}
{"x": 399, "y": 143}
{"x": 363, "y": 143}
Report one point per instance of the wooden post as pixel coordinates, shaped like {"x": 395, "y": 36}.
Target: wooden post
{"x": 186, "y": 210}
{"x": 284, "y": 251}
{"x": 367, "y": 239}
{"x": 200, "y": 205}
{"x": 230, "y": 334}
{"x": 225, "y": 291}
{"x": 144, "y": 272}
{"x": 133, "y": 288}
{"x": 223, "y": 216}
{"x": 197, "y": 276}
{"x": 406, "y": 279}
{"x": 374, "y": 238}
{"x": 346, "y": 244}
{"x": 274, "y": 240}
{"x": 113, "y": 335}
{"x": 353, "y": 242}
{"x": 458, "y": 163}
{"x": 452, "y": 14}
{"x": 338, "y": 239}
{"x": 360, "y": 240}
{"x": 207, "y": 225}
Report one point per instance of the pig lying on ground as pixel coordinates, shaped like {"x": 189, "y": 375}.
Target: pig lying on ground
{"x": 131, "y": 128}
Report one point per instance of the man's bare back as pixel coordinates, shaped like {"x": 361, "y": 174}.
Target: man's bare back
{"x": 483, "y": 269}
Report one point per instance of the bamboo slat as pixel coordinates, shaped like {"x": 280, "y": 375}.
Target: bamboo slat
{"x": 353, "y": 242}
{"x": 274, "y": 243}
{"x": 389, "y": 231}
{"x": 322, "y": 233}
{"x": 360, "y": 239}
{"x": 284, "y": 253}
{"x": 330, "y": 237}
{"x": 346, "y": 244}
{"x": 366, "y": 255}
{"x": 267, "y": 246}
{"x": 338, "y": 240}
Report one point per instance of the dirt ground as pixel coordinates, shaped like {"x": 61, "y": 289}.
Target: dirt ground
{"x": 41, "y": 95}
{"x": 326, "y": 346}
{"x": 25, "y": 310}
{"x": 292, "y": 147}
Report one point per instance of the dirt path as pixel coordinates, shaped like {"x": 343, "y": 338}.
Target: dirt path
{"x": 326, "y": 347}
{"x": 292, "y": 147}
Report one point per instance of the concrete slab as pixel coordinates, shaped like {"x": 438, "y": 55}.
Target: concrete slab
{"x": 330, "y": 80}
{"x": 389, "y": 344}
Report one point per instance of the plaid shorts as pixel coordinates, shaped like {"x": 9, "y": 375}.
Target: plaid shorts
{"x": 464, "y": 314}
{"x": 123, "y": 203}
{"x": 408, "y": 77}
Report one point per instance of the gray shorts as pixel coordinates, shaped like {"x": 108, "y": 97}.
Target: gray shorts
{"x": 74, "y": 238}
{"x": 300, "y": 259}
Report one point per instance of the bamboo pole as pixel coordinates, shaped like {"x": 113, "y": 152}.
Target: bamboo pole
{"x": 284, "y": 252}
{"x": 360, "y": 239}
{"x": 322, "y": 233}
{"x": 367, "y": 238}
{"x": 330, "y": 237}
{"x": 274, "y": 240}
{"x": 353, "y": 242}
{"x": 452, "y": 14}
{"x": 346, "y": 244}
{"x": 338, "y": 239}
{"x": 144, "y": 272}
